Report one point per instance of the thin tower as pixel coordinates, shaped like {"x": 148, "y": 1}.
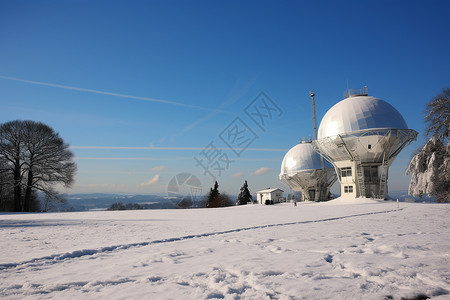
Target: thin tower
{"x": 313, "y": 104}
{"x": 314, "y": 118}
{"x": 305, "y": 170}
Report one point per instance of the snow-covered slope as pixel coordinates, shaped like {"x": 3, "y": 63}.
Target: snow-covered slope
{"x": 359, "y": 250}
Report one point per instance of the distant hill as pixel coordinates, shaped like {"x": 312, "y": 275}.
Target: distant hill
{"x": 100, "y": 201}
{"x": 404, "y": 197}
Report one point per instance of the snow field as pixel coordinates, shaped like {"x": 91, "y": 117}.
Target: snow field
{"x": 358, "y": 250}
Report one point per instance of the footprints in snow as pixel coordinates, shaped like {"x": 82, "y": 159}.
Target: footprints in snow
{"x": 328, "y": 258}
{"x": 270, "y": 245}
{"x": 30, "y": 288}
{"x": 367, "y": 237}
{"x": 220, "y": 283}
{"x": 61, "y": 257}
{"x": 156, "y": 279}
{"x": 272, "y": 273}
{"x": 351, "y": 248}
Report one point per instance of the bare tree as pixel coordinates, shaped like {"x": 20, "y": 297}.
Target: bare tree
{"x": 6, "y": 187}
{"x": 38, "y": 158}
{"x": 48, "y": 161}
{"x": 438, "y": 116}
{"x": 11, "y": 151}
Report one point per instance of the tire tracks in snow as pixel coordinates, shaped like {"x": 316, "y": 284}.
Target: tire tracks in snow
{"x": 62, "y": 257}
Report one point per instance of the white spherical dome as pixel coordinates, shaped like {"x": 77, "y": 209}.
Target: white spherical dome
{"x": 360, "y": 113}
{"x": 302, "y": 157}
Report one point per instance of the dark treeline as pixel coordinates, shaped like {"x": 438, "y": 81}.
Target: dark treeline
{"x": 137, "y": 206}
{"x": 214, "y": 199}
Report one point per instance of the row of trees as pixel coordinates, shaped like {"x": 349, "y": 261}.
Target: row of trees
{"x": 213, "y": 199}
{"x": 216, "y": 199}
{"x": 33, "y": 157}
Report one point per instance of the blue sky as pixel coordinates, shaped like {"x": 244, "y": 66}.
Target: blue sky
{"x": 140, "y": 88}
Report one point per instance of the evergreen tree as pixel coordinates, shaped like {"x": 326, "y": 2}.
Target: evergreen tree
{"x": 213, "y": 199}
{"x": 244, "y": 195}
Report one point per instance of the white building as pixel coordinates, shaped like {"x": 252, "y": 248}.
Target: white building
{"x": 361, "y": 136}
{"x": 269, "y": 195}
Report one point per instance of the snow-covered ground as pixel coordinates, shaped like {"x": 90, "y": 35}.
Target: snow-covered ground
{"x": 357, "y": 249}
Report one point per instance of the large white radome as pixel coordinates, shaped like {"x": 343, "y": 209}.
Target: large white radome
{"x": 360, "y": 113}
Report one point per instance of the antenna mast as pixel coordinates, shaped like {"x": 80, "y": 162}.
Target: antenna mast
{"x": 313, "y": 103}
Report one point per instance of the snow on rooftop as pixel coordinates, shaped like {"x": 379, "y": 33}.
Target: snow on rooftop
{"x": 269, "y": 190}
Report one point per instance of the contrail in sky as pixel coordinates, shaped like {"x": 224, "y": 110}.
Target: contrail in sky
{"x": 236, "y": 95}
{"x": 178, "y": 148}
{"x": 74, "y": 88}
{"x": 169, "y": 158}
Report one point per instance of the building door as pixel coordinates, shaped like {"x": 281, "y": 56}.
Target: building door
{"x": 312, "y": 195}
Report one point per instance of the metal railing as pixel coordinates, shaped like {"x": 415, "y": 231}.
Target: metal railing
{"x": 304, "y": 140}
{"x": 356, "y": 92}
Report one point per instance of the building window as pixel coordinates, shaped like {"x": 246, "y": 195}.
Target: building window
{"x": 346, "y": 172}
{"x": 369, "y": 146}
{"x": 371, "y": 173}
{"x": 348, "y": 189}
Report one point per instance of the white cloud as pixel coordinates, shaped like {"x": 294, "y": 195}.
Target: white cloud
{"x": 151, "y": 181}
{"x": 158, "y": 168}
{"x": 239, "y": 174}
{"x": 261, "y": 171}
